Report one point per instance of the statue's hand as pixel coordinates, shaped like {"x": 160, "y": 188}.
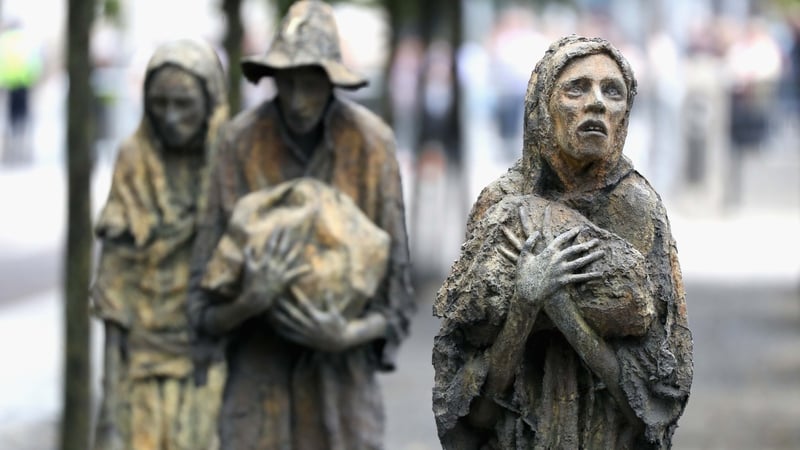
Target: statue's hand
{"x": 267, "y": 277}
{"x": 540, "y": 275}
{"x": 301, "y": 321}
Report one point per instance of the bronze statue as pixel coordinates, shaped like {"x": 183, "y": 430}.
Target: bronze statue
{"x": 564, "y": 320}
{"x": 147, "y": 229}
{"x": 302, "y": 347}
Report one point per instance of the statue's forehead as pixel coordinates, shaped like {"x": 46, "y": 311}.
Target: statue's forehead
{"x": 173, "y": 78}
{"x": 595, "y": 64}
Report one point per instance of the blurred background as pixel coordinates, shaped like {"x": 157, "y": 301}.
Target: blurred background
{"x": 715, "y": 128}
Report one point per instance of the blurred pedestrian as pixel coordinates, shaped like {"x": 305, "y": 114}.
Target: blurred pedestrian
{"x": 20, "y": 67}
{"x": 754, "y": 65}
{"x": 513, "y": 40}
{"x": 403, "y": 82}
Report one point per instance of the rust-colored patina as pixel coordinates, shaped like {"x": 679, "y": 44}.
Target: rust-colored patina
{"x": 147, "y": 228}
{"x": 564, "y": 320}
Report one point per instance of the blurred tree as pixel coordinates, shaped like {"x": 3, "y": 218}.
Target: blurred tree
{"x": 76, "y": 418}
{"x": 233, "y": 48}
{"x": 282, "y": 6}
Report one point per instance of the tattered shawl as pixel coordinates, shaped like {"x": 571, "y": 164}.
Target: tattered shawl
{"x": 555, "y": 400}
{"x": 147, "y": 231}
{"x": 281, "y": 395}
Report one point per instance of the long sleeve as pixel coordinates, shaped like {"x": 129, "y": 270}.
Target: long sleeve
{"x": 395, "y": 297}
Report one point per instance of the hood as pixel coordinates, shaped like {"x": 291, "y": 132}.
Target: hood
{"x": 539, "y": 142}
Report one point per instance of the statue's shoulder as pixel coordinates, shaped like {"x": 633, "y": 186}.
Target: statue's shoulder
{"x": 638, "y": 196}
{"x": 250, "y": 120}
{"x": 501, "y": 190}
{"x": 129, "y": 150}
{"x": 372, "y": 126}
{"x": 637, "y": 211}
{"x": 130, "y": 155}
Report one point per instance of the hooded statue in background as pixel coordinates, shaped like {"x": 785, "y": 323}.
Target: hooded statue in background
{"x": 147, "y": 228}
{"x": 596, "y": 356}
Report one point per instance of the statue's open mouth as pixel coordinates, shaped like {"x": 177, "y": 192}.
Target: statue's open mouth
{"x": 593, "y": 126}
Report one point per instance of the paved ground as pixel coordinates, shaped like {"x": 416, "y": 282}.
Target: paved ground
{"x": 746, "y": 393}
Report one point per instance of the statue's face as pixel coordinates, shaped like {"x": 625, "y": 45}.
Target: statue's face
{"x": 176, "y": 105}
{"x": 588, "y": 107}
{"x": 303, "y": 94}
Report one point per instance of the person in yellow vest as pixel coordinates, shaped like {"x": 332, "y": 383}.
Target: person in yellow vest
{"x": 146, "y": 229}
{"x": 20, "y": 68}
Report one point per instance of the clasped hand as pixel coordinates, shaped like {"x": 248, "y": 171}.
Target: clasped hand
{"x": 540, "y": 275}
{"x": 268, "y": 285}
{"x": 298, "y": 319}
{"x": 267, "y": 277}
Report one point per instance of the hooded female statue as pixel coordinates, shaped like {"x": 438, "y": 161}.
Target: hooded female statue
{"x": 147, "y": 229}
{"x": 564, "y": 320}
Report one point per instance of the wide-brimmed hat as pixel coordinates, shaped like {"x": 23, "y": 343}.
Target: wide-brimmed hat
{"x": 307, "y": 36}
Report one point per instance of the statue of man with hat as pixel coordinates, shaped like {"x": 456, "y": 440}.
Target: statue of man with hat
{"x": 301, "y": 373}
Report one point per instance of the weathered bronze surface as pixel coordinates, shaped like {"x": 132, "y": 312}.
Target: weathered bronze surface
{"x": 303, "y": 342}
{"x": 147, "y": 228}
{"x": 564, "y": 320}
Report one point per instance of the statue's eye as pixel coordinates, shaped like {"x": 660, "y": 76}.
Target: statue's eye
{"x": 183, "y": 102}
{"x": 574, "y": 89}
{"x": 158, "y": 102}
{"x": 613, "y": 90}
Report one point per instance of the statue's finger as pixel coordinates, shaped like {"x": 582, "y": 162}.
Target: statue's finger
{"x": 580, "y": 277}
{"x": 530, "y": 242}
{"x": 512, "y": 238}
{"x": 507, "y": 254}
{"x": 293, "y": 253}
{"x": 579, "y": 248}
{"x": 584, "y": 260}
{"x": 272, "y": 242}
{"x": 285, "y": 242}
{"x": 547, "y": 229}
{"x": 527, "y": 221}
{"x": 254, "y": 263}
{"x": 295, "y": 312}
{"x": 566, "y": 237}
{"x": 285, "y": 321}
{"x": 303, "y": 301}
{"x": 249, "y": 257}
{"x": 295, "y": 272}
{"x": 290, "y": 330}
